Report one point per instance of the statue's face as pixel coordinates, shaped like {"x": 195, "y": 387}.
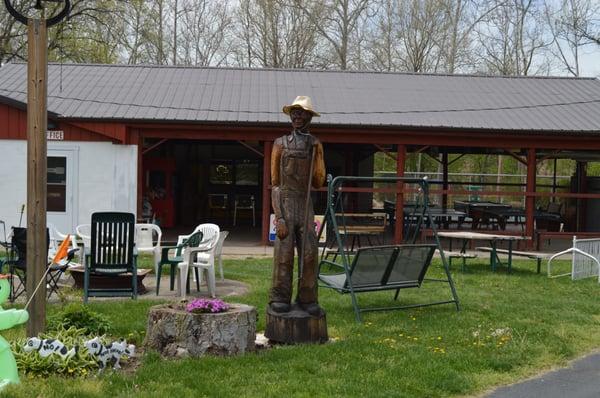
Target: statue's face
{"x": 300, "y": 118}
{"x": 4, "y": 290}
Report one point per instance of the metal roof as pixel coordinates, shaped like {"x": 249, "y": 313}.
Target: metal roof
{"x": 402, "y": 100}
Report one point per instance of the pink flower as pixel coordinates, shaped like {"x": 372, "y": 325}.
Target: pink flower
{"x": 207, "y": 305}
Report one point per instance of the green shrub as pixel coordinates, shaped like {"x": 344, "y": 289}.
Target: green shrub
{"x": 32, "y": 364}
{"x": 82, "y": 317}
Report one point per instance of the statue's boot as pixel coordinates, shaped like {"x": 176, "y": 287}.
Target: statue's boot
{"x": 312, "y": 308}
{"x": 280, "y": 306}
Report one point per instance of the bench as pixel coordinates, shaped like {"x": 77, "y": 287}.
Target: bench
{"x": 538, "y": 256}
{"x": 378, "y": 268}
{"x": 464, "y": 256}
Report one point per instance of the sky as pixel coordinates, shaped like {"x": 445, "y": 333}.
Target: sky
{"x": 590, "y": 65}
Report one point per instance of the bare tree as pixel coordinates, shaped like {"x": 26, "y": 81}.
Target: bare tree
{"x": 383, "y": 50}
{"x": 462, "y": 17}
{"x": 569, "y": 24}
{"x": 271, "y": 33}
{"x": 12, "y": 36}
{"x": 422, "y": 25}
{"x": 512, "y": 39}
{"x": 336, "y": 21}
{"x": 84, "y": 37}
{"x": 131, "y": 37}
{"x": 205, "y": 27}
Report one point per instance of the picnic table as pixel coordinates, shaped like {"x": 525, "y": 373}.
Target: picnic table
{"x": 493, "y": 239}
{"x": 355, "y": 226}
{"x": 482, "y": 212}
{"x": 412, "y": 212}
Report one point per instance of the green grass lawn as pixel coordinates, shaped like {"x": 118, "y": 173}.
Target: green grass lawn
{"x": 510, "y": 327}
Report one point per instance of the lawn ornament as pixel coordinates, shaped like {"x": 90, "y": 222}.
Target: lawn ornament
{"x": 8, "y": 319}
{"x": 111, "y": 352}
{"x": 47, "y": 347}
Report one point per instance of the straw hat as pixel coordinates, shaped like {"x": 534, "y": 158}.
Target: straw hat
{"x": 303, "y": 102}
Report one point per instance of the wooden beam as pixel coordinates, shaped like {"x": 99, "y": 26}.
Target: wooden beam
{"x": 37, "y": 255}
{"x": 385, "y": 152}
{"x": 530, "y": 199}
{"x": 139, "y": 141}
{"x": 400, "y": 163}
{"x": 515, "y": 156}
{"x": 151, "y": 147}
{"x": 444, "y": 178}
{"x": 456, "y": 158}
{"x": 266, "y": 192}
{"x": 550, "y": 156}
{"x": 256, "y": 151}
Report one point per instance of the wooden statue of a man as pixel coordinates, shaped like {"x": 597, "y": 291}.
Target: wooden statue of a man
{"x": 290, "y": 178}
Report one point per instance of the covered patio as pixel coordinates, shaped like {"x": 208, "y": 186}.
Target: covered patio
{"x": 189, "y": 122}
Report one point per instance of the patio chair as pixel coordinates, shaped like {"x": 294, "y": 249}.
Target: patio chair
{"x": 201, "y": 257}
{"x": 84, "y": 231}
{"x": 56, "y": 238}
{"x": 218, "y": 203}
{"x": 183, "y": 241}
{"x": 147, "y": 240}
{"x": 219, "y": 250}
{"x": 244, "y": 202}
{"x": 17, "y": 261}
{"x": 59, "y": 263}
{"x": 111, "y": 254}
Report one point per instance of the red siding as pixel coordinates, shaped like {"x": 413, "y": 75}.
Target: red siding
{"x": 13, "y": 126}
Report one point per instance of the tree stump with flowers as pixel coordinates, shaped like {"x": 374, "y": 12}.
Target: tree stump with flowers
{"x": 203, "y": 326}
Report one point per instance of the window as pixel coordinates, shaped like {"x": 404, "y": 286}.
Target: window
{"x": 221, "y": 173}
{"x": 56, "y": 195}
{"x": 246, "y": 173}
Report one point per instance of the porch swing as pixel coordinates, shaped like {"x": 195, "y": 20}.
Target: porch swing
{"x": 378, "y": 268}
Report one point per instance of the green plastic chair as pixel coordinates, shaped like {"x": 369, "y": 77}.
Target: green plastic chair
{"x": 183, "y": 241}
{"x": 111, "y": 254}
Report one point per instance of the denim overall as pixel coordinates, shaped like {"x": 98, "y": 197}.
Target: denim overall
{"x": 294, "y": 175}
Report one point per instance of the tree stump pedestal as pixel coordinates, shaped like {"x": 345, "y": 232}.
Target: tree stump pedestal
{"x": 295, "y": 326}
{"x": 174, "y": 332}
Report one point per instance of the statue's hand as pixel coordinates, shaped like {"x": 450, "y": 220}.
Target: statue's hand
{"x": 281, "y": 229}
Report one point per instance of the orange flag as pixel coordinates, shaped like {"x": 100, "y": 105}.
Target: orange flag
{"x": 62, "y": 251}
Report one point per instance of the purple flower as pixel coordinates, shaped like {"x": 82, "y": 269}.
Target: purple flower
{"x": 207, "y": 305}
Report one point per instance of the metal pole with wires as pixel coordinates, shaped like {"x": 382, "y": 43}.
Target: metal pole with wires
{"x": 37, "y": 120}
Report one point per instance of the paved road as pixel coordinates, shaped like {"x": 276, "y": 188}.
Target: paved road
{"x": 580, "y": 380}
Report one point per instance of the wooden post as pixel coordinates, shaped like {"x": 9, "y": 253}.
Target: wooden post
{"x": 444, "y": 178}
{"x": 37, "y": 255}
{"x": 400, "y": 162}
{"x": 266, "y": 193}
{"x": 529, "y": 199}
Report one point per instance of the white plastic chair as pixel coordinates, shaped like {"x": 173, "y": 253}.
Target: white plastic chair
{"x": 201, "y": 257}
{"x": 145, "y": 241}
{"x": 56, "y": 237}
{"x": 219, "y": 250}
{"x": 84, "y": 231}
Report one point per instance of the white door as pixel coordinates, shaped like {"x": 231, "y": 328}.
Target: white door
{"x": 62, "y": 189}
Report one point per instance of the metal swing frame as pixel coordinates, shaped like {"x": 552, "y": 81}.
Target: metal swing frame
{"x": 420, "y": 212}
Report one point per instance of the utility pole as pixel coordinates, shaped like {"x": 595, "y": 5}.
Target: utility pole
{"x": 37, "y": 120}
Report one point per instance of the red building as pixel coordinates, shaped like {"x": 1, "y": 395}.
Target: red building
{"x": 192, "y": 141}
